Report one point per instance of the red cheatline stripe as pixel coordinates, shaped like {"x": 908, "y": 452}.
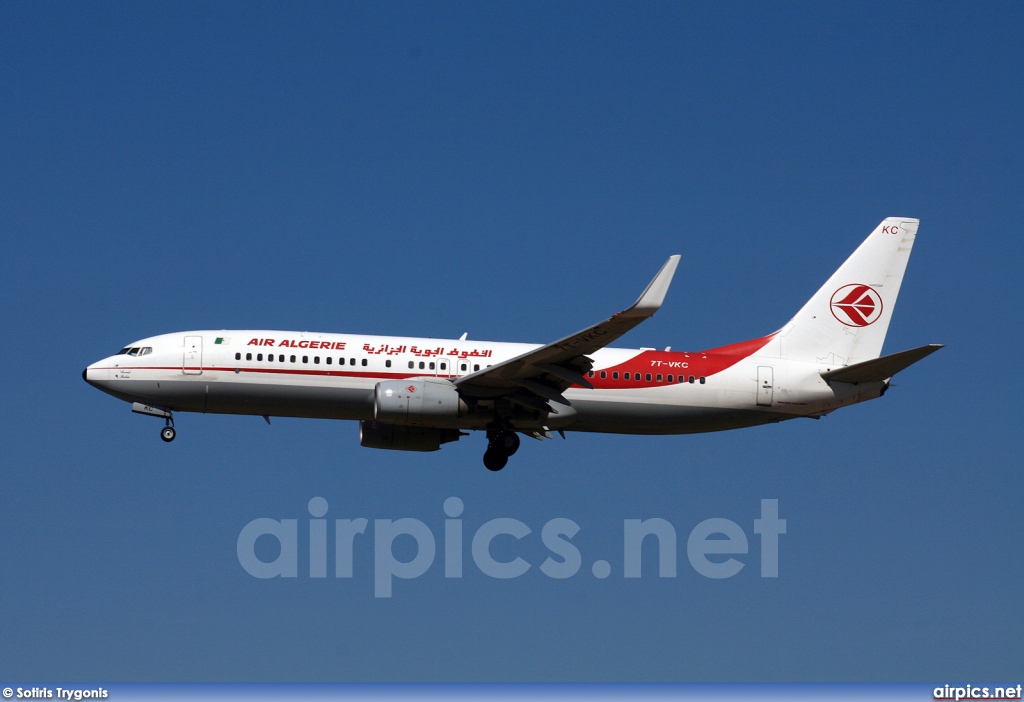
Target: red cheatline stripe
{"x": 615, "y": 385}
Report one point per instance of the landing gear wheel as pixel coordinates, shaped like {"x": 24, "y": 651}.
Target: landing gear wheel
{"x": 168, "y": 434}
{"x": 508, "y": 442}
{"x": 495, "y": 459}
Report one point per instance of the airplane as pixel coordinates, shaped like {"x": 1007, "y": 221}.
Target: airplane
{"x": 415, "y": 394}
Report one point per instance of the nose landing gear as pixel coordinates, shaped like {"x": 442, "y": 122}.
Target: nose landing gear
{"x": 167, "y": 433}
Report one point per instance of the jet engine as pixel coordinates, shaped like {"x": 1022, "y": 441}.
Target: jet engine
{"x": 421, "y": 401}
{"x": 400, "y": 438}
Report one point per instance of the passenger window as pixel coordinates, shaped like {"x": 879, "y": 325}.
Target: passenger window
{"x": 364, "y": 361}
{"x": 305, "y": 359}
{"x": 476, "y": 367}
{"x": 292, "y": 359}
{"x": 590, "y": 374}
{"x": 259, "y": 357}
{"x": 670, "y": 379}
{"x": 238, "y": 357}
{"x": 316, "y": 359}
{"x": 444, "y": 366}
{"x": 625, "y": 376}
{"x": 387, "y": 363}
{"x": 604, "y": 374}
{"x": 351, "y": 361}
{"x": 328, "y": 360}
{"x": 682, "y": 379}
{"x": 281, "y": 358}
{"x": 248, "y": 356}
{"x": 615, "y": 375}
{"x": 422, "y": 365}
{"x": 659, "y": 377}
{"x": 431, "y": 365}
{"x": 411, "y": 365}
{"x": 647, "y": 377}
{"x": 691, "y": 378}
{"x": 702, "y": 380}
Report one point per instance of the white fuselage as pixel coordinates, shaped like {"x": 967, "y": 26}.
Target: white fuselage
{"x": 333, "y": 376}
{"x": 414, "y": 394}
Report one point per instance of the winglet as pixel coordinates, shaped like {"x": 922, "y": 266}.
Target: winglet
{"x": 655, "y": 292}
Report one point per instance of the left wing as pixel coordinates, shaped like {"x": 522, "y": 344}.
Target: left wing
{"x": 536, "y": 377}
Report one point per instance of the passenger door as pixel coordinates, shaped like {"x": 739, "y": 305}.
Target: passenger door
{"x": 192, "y": 362}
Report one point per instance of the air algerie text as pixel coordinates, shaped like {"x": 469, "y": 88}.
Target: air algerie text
{"x": 304, "y": 344}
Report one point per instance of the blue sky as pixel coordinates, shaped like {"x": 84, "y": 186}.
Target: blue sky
{"x": 514, "y": 171}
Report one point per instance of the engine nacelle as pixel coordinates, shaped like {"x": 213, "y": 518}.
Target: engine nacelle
{"x": 421, "y": 401}
{"x": 399, "y": 438}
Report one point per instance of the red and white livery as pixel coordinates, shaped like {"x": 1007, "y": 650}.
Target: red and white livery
{"x": 415, "y": 394}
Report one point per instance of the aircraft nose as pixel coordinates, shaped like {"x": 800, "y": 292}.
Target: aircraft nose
{"x": 96, "y": 374}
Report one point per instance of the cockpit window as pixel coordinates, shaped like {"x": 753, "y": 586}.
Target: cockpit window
{"x": 135, "y": 351}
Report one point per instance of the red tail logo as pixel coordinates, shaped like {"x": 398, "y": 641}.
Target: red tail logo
{"x": 856, "y": 305}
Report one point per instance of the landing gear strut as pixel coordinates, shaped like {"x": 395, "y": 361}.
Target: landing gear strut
{"x": 502, "y": 442}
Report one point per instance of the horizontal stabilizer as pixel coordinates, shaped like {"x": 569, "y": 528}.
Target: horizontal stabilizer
{"x": 880, "y": 368}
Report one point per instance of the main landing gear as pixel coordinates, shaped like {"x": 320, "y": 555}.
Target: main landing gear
{"x": 502, "y": 442}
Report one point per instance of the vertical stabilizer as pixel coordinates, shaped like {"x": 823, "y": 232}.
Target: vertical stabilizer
{"x": 846, "y": 320}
